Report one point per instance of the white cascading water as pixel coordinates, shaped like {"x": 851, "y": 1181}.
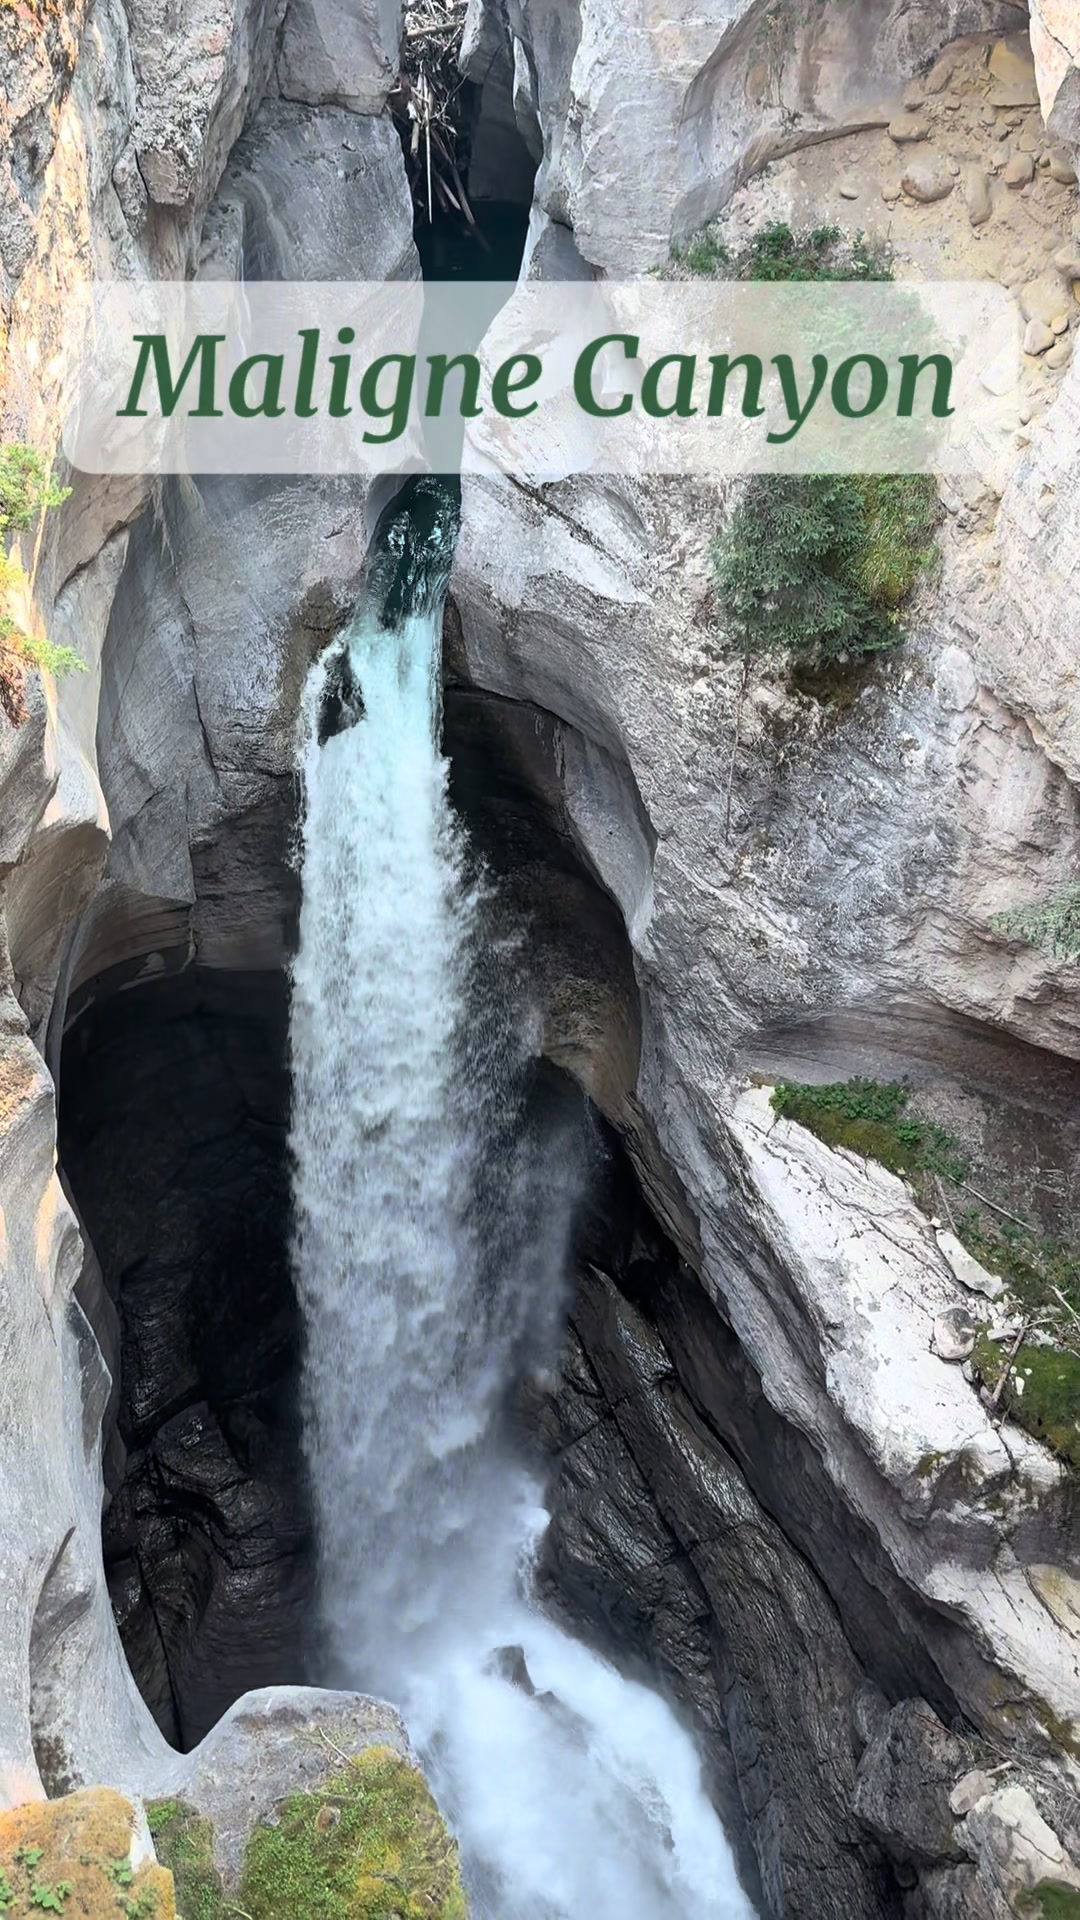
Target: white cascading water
{"x": 428, "y": 1229}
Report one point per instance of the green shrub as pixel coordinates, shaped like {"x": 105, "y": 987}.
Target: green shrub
{"x": 27, "y": 489}
{"x": 1052, "y": 923}
{"x": 776, "y": 252}
{"x": 817, "y": 566}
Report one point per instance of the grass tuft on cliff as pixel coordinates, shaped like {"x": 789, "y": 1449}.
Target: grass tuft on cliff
{"x": 1053, "y": 923}
{"x": 780, "y": 252}
{"x": 368, "y": 1845}
{"x": 1050, "y": 1900}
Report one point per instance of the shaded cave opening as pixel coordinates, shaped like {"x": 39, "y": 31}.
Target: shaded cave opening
{"x": 174, "y": 1145}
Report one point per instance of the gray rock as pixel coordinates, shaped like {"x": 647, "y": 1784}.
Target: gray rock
{"x": 339, "y": 53}
{"x": 968, "y": 1791}
{"x": 954, "y": 1334}
{"x": 904, "y": 1781}
{"x": 1061, "y": 167}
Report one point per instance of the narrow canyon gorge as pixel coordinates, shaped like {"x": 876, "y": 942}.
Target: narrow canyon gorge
{"x": 439, "y": 1342}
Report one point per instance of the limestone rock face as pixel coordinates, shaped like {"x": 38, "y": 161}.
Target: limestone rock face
{"x": 764, "y": 936}
{"x": 649, "y": 117}
{"x": 1055, "y": 44}
{"x": 335, "y": 54}
{"x": 121, "y": 129}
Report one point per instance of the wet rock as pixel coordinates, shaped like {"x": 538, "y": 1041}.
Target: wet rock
{"x": 510, "y": 1665}
{"x": 927, "y": 180}
{"x": 977, "y": 195}
{"x": 954, "y": 1334}
{"x": 1019, "y": 169}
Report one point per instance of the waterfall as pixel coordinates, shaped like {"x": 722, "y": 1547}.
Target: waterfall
{"x": 430, "y": 1241}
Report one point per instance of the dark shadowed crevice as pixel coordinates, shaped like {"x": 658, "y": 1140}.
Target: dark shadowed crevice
{"x": 173, "y": 1138}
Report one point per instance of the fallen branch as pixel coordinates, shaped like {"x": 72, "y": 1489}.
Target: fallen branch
{"x": 987, "y": 1202}
{"x": 995, "y": 1397}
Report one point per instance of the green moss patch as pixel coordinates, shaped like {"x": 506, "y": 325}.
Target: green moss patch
{"x": 369, "y": 1845}
{"x": 1050, "y": 1900}
{"x": 1049, "y": 1404}
{"x": 869, "y": 1117}
{"x": 184, "y": 1842}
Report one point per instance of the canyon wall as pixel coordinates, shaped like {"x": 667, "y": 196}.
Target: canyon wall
{"x": 764, "y": 1480}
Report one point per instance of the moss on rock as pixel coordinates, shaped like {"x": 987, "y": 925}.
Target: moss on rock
{"x": 73, "y": 1857}
{"x": 1050, "y": 1900}
{"x": 184, "y": 1842}
{"x": 1047, "y": 1403}
{"x": 370, "y": 1844}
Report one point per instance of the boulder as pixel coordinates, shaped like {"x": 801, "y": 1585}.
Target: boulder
{"x": 1037, "y": 337}
{"x": 903, "y": 1785}
{"x": 977, "y": 195}
{"x": 909, "y": 127}
{"x": 1019, "y": 169}
{"x": 954, "y": 1334}
{"x": 339, "y": 53}
{"x": 927, "y": 180}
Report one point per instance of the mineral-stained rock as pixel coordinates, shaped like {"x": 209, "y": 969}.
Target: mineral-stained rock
{"x": 954, "y": 1334}
{"x": 92, "y": 1843}
{"x": 927, "y": 180}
